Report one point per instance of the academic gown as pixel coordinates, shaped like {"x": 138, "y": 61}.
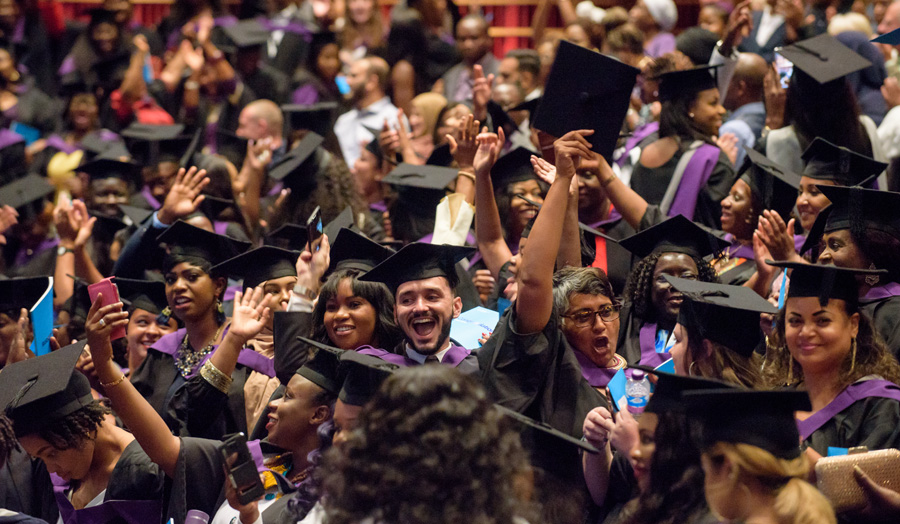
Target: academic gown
{"x": 36, "y": 262}
{"x": 34, "y": 108}
{"x": 268, "y": 83}
{"x": 882, "y": 304}
{"x": 12, "y": 157}
{"x": 457, "y": 356}
{"x": 618, "y": 260}
{"x": 637, "y": 339}
{"x": 25, "y": 487}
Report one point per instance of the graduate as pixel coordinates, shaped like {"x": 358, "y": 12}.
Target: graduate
{"x": 145, "y": 301}
{"x": 32, "y": 249}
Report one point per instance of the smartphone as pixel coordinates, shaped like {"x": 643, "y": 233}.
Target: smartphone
{"x": 242, "y": 472}
{"x": 785, "y": 69}
{"x": 314, "y": 229}
{"x": 110, "y": 296}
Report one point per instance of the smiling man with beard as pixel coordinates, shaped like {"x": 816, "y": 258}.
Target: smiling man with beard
{"x": 423, "y": 279}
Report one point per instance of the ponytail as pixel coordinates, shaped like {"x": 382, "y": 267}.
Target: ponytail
{"x": 799, "y": 502}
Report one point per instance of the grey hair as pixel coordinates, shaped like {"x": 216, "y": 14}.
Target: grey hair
{"x": 570, "y": 280}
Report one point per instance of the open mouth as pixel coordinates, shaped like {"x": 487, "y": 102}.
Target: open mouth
{"x": 423, "y": 326}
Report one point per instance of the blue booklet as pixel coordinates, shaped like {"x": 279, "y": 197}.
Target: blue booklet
{"x": 42, "y": 321}
{"x": 469, "y": 326}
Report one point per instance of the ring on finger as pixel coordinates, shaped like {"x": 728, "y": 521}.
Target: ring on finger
{"x": 102, "y": 322}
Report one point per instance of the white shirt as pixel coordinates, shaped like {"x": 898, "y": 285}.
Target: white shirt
{"x": 350, "y": 127}
{"x": 420, "y": 358}
{"x": 768, "y": 24}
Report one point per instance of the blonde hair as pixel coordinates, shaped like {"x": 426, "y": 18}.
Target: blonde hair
{"x": 429, "y": 106}
{"x": 842, "y": 23}
{"x": 796, "y": 500}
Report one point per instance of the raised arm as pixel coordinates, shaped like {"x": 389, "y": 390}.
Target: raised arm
{"x": 626, "y": 201}
{"x": 463, "y": 152}
{"x": 535, "y": 274}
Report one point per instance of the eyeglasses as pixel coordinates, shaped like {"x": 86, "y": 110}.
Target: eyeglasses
{"x": 585, "y": 317}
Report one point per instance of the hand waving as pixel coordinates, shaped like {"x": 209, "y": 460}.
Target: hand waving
{"x": 184, "y": 197}
{"x": 465, "y": 149}
{"x": 250, "y": 314}
{"x": 489, "y": 147}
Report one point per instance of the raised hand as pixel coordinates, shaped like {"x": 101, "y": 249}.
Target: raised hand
{"x": 18, "y": 350}
{"x": 311, "y": 266}
{"x": 250, "y": 314}
{"x": 775, "y": 99}
{"x": 259, "y": 153}
{"x": 481, "y": 92}
{"x": 388, "y": 140}
{"x": 464, "y": 150}
{"x": 74, "y": 224}
{"x": 8, "y": 218}
{"x": 484, "y": 282}
{"x": 140, "y": 43}
{"x": 543, "y": 169}
{"x": 570, "y": 149}
{"x": 740, "y": 23}
{"x": 184, "y": 197}
{"x": 101, "y": 320}
{"x": 489, "y": 147}
{"x": 776, "y": 235}
{"x": 728, "y": 144}
{"x": 193, "y": 58}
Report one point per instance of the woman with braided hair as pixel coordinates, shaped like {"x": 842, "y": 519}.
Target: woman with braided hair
{"x": 8, "y": 446}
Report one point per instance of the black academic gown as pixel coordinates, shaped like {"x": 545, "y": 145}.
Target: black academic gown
{"x": 25, "y": 487}
{"x": 885, "y": 313}
{"x": 269, "y": 83}
{"x": 873, "y": 422}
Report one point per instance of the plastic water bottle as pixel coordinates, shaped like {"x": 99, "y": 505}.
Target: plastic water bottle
{"x": 637, "y": 392}
{"x": 195, "y": 516}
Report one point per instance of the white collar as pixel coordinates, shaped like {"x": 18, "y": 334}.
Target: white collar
{"x": 420, "y": 358}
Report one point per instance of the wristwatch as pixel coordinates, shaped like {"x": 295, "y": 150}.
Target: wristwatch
{"x": 305, "y": 292}
{"x": 60, "y": 251}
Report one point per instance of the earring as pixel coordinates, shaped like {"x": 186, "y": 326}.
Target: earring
{"x": 220, "y": 307}
{"x": 164, "y": 315}
{"x": 790, "y": 379}
{"x": 852, "y": 354}
{"x": 691, "y": 369}
{"x": 691, "y": 115}
{"x": 871, "y": 280}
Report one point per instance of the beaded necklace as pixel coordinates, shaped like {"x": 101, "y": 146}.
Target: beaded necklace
{"x": 186, "y": 359}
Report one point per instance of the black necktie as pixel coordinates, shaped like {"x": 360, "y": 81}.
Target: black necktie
{"x": 432, "y": 359}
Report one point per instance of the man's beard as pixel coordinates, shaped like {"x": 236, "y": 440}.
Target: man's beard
{"x": 442, "y": 340}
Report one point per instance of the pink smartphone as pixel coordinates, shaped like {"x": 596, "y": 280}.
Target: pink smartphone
{"x": 110, "y": 296}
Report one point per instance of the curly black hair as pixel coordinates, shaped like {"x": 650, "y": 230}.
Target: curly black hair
{"x": 639, "y": 287}
{"x": 429, "y": 448}
{"x": 8, "y": 442}
{"x": 70, "y": 431}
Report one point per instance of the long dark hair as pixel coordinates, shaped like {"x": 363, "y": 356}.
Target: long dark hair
{"x": 387, "y": 334}
{"x": 504, "y": 197}
{"x": 639, "y": 287}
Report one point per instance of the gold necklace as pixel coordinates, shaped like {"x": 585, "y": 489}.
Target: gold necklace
{"x": 186, "y": 360}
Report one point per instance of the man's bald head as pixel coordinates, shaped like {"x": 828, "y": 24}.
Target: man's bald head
{"x": 747, "y": 81}
{"x": 260, "y": 119}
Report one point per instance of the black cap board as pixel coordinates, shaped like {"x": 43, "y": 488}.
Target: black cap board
{"x": 499, "y": 117}
{"x": 529, "y": 105}
{"x": 187, "y": 240}
{"x": 826, "y": 161}
{"x": 670, "y": 387}
{"x": 106, "y": 225}
{"x": 440, "y": 156}
{"x": 889, "y": 38}
{"x": 586, "y": 90}
{"x": 858, "y": 209}
{"x": 149, "y": 295}
{"x": 101, "y": 16}
{"x": 259, "y": 265}
{"x": 292, "y": 237}
{"x": 351, "y": 250}
{"x": 323, "y": 369}
{"x": 318, "y": 118}
{"x": 133, "y": 215}
{"x": 687, "y": 83}
{"x": 824, "y": 281}
{"x": 29, "y": 189}
{"x": 18, "y": 293}
{"x": 545, "y": 429}
{"x": 417, "y": 261}
{"x": 231, "y": 146}
{"x": 102, "y": 168}
{"x": 675, "y": 235}
{"x": 764, "y": 419}
{"x": 39, "y": 391}
{"x": 421, "y": 177}
{"x": 152, "y": 132}
{"x": 824, "y": 58}
{"x": 212, "y": 207}
{"x": 343, "y": 220}
{"x": 775, "y": 186}
{"x": 247, "y": 33}
{"x": 100, "y": 143}
{"x": 364, "y": 374}
{"x": 512, "y": 167}
{"x": 291, "y": 168}
{"x": 727, "y": 315}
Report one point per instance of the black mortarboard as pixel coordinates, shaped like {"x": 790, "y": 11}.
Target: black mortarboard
{"x": 39, "y": 391}
{"x": 858, "y": 209}
{"x": 187, "y": 240}
{"x": 364, "y": 374}
{"x": 152, "y": 132}
{"x": 20, "y": 194}
{"x": 775, "y": 186}
{"x": 586, "y": 90}
{"x": 417, "y": 261}
{"x": 318, "y": 118}
{"x": 824, "y": 58}
{"x": 889, "y": 38}
{"x": 134, "y": 215}
{"x": 546, "y": 430}
{"x": 288, "y": 236}
{"x": 231, "y": 146}
{"x": 343, "y": 220}
{"x": 18, "y": 293}
{"x": 670, "y": 387}
{"x": 107, "y": 226}
{"x": 212, "y": 207}
{"x": 512, "y": 167}
{"x": 764, "y": 419}
{"x": 814, "y": 236}
{"x": 375, "y": 148}
{"x": 102, "y": 168}
{"x": 323, "y": 369}
{"x": 149, "y": 295}
{"x": 728, "y": 315}
{"x": 529, "y": 105}
{"x": 294, "y": 170}
{"x": 675, "y": 235}
{"x": 351, "y": 250}
{"x": 826, "y": 161}
{"x": 686, "y": 83}
{"x": 259, "y": 265}
{"x": 151, "y": 153}
{"x": 824, "y": 281}
{"x": 697, "y": 44}
{"x": 420, "y": 188}
{"x": 247, "y": 33}
{"x": 499, "y": 117}
{"x": 440, "y": 156}
{"x": 99, "y": 143}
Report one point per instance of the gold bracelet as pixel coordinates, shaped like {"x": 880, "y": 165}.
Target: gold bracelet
{"x": 468, "y": 175}
{"x": 216, "y": 378}
{"x": 114, "y": 382}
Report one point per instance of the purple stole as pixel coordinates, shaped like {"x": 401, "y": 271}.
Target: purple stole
{"x": 22, "y": 257}
{"x": 128, "y": 511}
{"x": 614, "y": 216}
{"x": 219, "y": 227}
{"x": 649, "y": 356}
{"x": 639, "y": 135}
{"x": 8, "y": 138}
{"x": 596, "y": 376}
{"x": 453, "y": 357}
{"x": 696, "y": 174}
{"x": 148, "y": 196}
{"x": 869, "y": 388}
{"x": 170, "y": 343}
{"x": 294, "y": 27}
{"x": 891, "y": 289}
{"x": 379, "y": 206}
{"x": 59, "y": 143}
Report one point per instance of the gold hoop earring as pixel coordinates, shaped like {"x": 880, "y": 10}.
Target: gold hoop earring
{"x": 852, "y": 354}
{"x": 691, "y": 369}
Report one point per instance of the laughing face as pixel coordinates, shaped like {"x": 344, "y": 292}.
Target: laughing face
{"x": 423, "y": 310}
{"x": 666, "y": 299}
{"x": 349, "y": 319}
{"x": 142, "y": 332}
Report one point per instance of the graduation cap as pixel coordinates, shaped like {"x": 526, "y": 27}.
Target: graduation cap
{"x": 151, "y": 153}
{"x": 375, "y": 148}
{"x": 512, "y": 167}
{"x": 37, "y": 392}
{"x": 826, "y": 161}
{"x": 259, "y": 265}
{"x": 675, "y": 235}
{"x": 529, "y": 105}
{"x": 133, "y": 215}
{"x": 670, "y": 387}
{"x": 824, "y": 58}
{"x": 364, "y": 374}
{"x": 102, "y": 16}
{"x": 343, "y": 220}
{"x": 318, "y": 118}
{"x": 545, "y": 430}
{"x": 687, "y": 83}
{"x": 889, "y": 38}
{"x": 499, "y": 117}
{"x": 421, "y": 188}
{"x": 247, "y": 33}
{"x": 186, "y": 240}
{"x": 764, "y": 419}
{"x": 293, "y": 169}
{"x": 586, "y": 90}
{"x": 824, "y": 281}
{"x": 18, "y": 293}
{"x": 99, "y": 143}
{"x": 417, "y": 261}
{"x": 27, "y": 195}
{"x": 288, "y": 236}
{"x": 148, "y": 142}
{"x": 107, "y": 226}
{"x": 351, "y": 250}
{"x": 103, "y": 168}
{"x": 858, "y": 209}
{"x": 440, "y": 156}
{"x": 149, "y": 295}
{"x": 775, "y": 186}
{"x": 323, "y": 369}
{"x": 231, "y": 146}
{"x": 728, "y": 315}
{"x": 212, "y": 207}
